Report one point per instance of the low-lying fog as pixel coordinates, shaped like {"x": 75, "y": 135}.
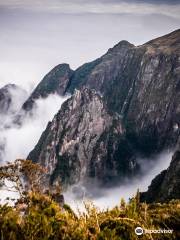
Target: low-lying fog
{"x": 109, "y": 197}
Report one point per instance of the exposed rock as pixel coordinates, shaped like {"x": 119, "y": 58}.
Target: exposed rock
{"x": 84, "y": 141}
{"x": 55, "y": 81}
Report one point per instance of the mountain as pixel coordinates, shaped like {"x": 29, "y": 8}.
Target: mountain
{"x": 165, "y": 186}
{"x": 142, "y": 84}
{"x": 55, "y": 81}
{"x": 83, "y": 141}
{"x": 131, "y": 110}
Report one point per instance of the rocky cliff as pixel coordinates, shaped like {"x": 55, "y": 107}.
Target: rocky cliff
{"x": 132, "y": 109}
{"x": 83, "y": 141}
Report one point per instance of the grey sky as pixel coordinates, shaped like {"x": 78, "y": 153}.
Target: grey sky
{"x": 37, "y": 35}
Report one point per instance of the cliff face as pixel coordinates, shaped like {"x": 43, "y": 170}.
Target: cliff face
{"x": 153, "y": 112}
{"x": 132, "y": 108}
{"x": 84, "y": 140}
{"x": 165, "y": 186}
{"x": 55, "y": 81}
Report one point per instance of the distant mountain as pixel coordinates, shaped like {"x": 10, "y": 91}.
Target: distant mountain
{"x": 11, "y": 98}
{"x": 139, "y": 89}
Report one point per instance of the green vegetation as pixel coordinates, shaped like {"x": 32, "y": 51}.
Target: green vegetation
{"x": 43, "y": 219}
{"x": 37, "y": 216}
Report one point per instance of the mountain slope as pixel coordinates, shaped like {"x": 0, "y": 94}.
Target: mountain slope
{"x": 55, "y": 81}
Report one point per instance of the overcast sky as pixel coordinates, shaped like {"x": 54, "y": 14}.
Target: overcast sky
{"x": 37, "y": 35}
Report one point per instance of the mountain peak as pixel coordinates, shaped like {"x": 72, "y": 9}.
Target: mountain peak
{"x": 61, "y": 66}
{"x": 120, "y": 45}
{"x": 55, "y": 81}
{"x": 10, "y": 86}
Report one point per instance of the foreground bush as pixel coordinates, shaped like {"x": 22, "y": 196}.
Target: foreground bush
{"x": 40, "y": 218}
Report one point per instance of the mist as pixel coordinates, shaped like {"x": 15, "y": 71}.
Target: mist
{"x": 19, "y": 140}
{"x": 16, "y": 141}
{"x": 104, "y": 198}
